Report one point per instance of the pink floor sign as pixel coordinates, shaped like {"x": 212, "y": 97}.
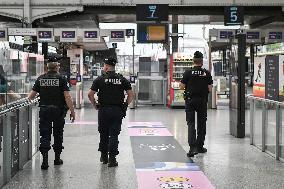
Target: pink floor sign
{"x": 149, "y": 132}
{"x": 172, "y": 180}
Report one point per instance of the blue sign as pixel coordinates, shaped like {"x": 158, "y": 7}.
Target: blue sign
{"x": 130, "y": 32}
{"x": 44, "y": 34}
{"x": 117, "y": 34}
{"x": 91, "y": 34}
{"x": 253, "y": 35}
{"x": 2, "y": 34}
{"x": 68, "y": 34}
{"x": 275, "y": 35}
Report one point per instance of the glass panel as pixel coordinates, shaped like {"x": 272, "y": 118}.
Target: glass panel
{"x": 281, "y": 131}
{"x": 258, "y": 124}
{"x": 18, "y": 71}
{"x": 270, "y": 135}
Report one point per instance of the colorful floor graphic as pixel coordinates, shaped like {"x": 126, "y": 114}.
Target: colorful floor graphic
{"x": 149, "y": 132}
{"x": 160, "y": 161}
{"x": 172, "y": 180}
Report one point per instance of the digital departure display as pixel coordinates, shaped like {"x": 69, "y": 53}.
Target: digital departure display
{"x": 2, "y": 34}
{"x": 253, "y": 35}
{"x": 68, "y": 34}
{"x": 91, "y": 34}
{"x": 275, "y": 35}
{"x": 152, "y": 33}
{"x": 117, "y": 34}
{"x": 44, "y": 34}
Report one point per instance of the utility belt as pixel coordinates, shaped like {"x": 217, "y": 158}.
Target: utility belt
{"x": 53, "y": 106}
{"x": 187, "y": 95}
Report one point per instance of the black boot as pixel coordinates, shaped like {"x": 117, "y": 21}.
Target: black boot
{"x": 44, "y": 164}
{"x": 112, "y": 161}
{"x": 104, "y": 158}
{"x": 57, "y": 160}
{"x": 192, "y": 152}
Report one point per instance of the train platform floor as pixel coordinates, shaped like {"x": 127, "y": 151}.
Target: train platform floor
{"x": 230, "y": 163}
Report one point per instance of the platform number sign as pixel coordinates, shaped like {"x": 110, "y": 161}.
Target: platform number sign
{"x": 233, "y": 16}
{"x": 152, "y": 12}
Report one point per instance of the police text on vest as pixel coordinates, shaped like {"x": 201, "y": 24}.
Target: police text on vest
{"x": 49, "y": 82}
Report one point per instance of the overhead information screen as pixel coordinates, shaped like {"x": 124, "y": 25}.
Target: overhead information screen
{"x": 152, "y": 12}
{"x": 91, "y": 34}
{"x": 225, "y": 34}
{"x": 253, "y": 35}
{"x": 2, "y": 34}
{"x": 275, "y": 35}
{"x": 154, "y": 33}
{"x": 117, "y": 36}
{"x": 44, "y": 34}
{"x": 68, "y": 34}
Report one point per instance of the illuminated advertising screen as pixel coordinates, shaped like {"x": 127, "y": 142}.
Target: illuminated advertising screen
{"x": 152, "y": 33}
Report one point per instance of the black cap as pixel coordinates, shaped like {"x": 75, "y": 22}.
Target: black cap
{"x": 198, "y": 54}
{"x": 110, "y": 61}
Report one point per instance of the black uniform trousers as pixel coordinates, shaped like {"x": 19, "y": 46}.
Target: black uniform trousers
{"x": 109, "y": 120}
{"x": 199, "y": 105}
{"x": 51, "y": 117}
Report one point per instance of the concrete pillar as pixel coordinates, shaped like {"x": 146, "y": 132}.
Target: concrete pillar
{"x": 27, "y": 12}
{"x": 175, "y": 31}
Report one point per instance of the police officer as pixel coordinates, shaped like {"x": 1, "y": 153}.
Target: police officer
{"x": 54, "y": 100}
{"x": 197, "y": 83}
{"x": 111, "y": 109}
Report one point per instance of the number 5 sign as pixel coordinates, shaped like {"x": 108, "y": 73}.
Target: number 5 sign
{"x": 233, "y": 16}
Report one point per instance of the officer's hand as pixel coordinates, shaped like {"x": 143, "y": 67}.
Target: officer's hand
{"x": 72, "y": 117}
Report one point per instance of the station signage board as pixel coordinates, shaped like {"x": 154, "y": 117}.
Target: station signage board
{"x": 45, "y": 35}
{"x": 22, "y": 32}
{"x": 91, "y": 35}
{"x": 152, "y": 12}
{"x": 3, "y": 34}
{"x": 225, "y": 35}
{"x": 233, "y": 15}
{"x": 152, "y": 33}
{"x": 117, "y": 36}
{"x": 68, "y": 35}
{"x": 253, "y": 36}
{"x": 274, "y": 36}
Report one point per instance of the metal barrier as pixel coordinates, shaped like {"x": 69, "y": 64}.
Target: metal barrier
{"x": 19, "y": 136}
{"x": 266, "y": 127}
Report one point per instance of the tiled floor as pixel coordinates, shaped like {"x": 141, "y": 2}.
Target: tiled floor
{"x": 230, "y": 163}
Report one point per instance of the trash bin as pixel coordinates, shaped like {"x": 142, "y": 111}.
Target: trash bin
{"x": 133, "y": 103}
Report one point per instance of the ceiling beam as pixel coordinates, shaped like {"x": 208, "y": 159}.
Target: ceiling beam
{"x": 266, "y": 21}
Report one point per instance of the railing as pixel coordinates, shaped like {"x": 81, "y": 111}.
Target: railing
{"x": 19, "y": 137}
{"x": 266, "y": 127}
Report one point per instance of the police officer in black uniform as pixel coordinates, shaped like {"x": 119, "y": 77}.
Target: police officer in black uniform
{"x": 111, "y": 108}
{"x": 197, "y": 83}
{"x": 55, "y": 100}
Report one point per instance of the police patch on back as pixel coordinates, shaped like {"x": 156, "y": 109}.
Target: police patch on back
{"x": 113, "y": 81}
{"x": 49, "y": 82}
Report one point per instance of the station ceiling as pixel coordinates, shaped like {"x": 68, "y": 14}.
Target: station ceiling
{"x": 256, "y": 17}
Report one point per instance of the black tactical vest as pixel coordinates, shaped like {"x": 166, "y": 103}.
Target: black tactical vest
{"x": 111, "y": 90}
{"x": 197, "y": 84}
{"x": 51, "y": 90}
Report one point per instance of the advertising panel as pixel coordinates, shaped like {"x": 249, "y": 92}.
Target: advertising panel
{"x": 259, "y": 77}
